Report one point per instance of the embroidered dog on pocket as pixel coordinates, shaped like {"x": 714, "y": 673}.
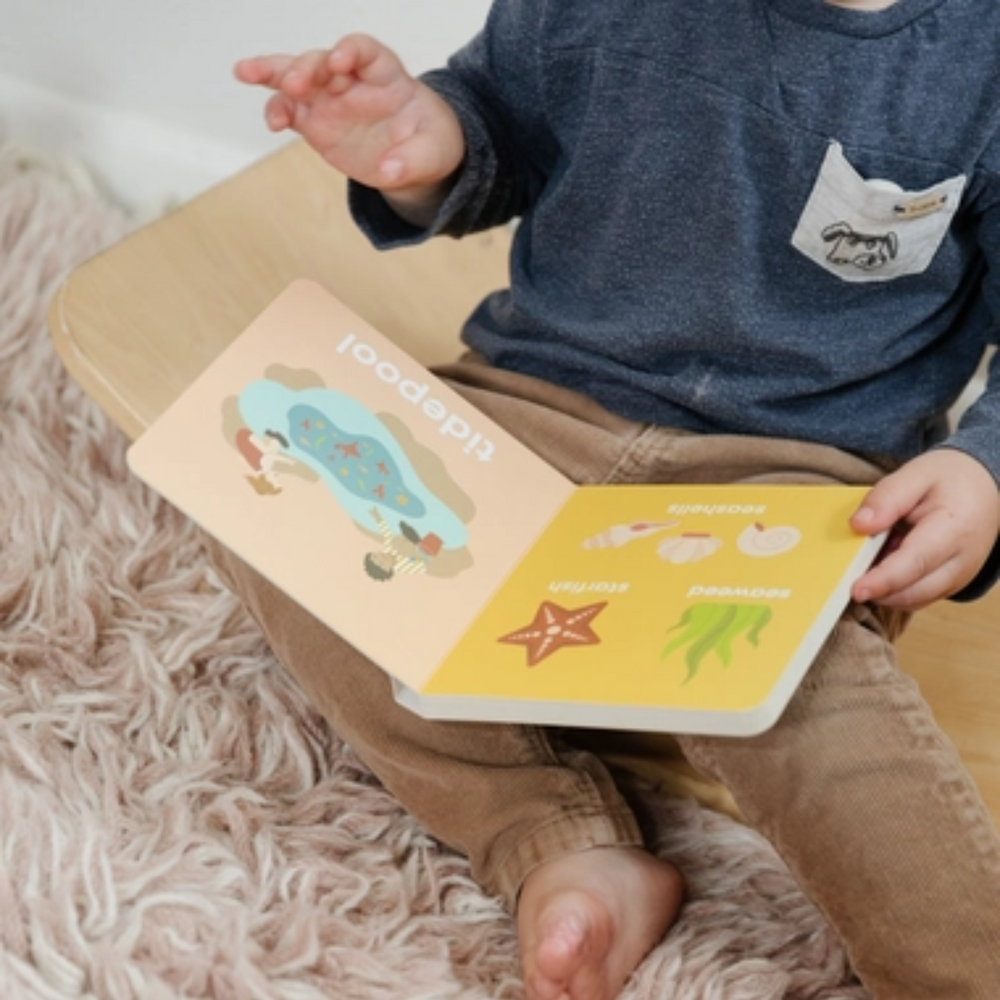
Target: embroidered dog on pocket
{"x": 867, "y": 251}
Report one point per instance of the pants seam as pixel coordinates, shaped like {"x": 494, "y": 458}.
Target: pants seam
{"x": 631, "y": 457}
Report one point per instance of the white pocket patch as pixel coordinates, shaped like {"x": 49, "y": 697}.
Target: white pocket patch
{"x": 872, "y": 230}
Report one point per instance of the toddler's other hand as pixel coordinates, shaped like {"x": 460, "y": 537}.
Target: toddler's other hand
{"x": 359, "y": 108}
{"x": 944, "y": 510}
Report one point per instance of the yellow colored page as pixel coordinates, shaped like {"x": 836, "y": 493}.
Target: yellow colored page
{"x": 688, "y": 596}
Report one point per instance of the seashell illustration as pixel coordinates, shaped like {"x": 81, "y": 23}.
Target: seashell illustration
{"x": 688, "y": 547}
{"x": 761, "y": 542}
{"x": 620, "y": 534}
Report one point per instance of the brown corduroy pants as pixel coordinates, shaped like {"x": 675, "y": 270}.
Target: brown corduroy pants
{"x": 863, "y": 796}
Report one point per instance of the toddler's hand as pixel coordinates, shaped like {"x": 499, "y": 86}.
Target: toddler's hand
{"x": 945, "y": 509}
{"x": 357, "y": 106}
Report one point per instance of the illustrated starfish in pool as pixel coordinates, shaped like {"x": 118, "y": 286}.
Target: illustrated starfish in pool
{"x": 349, "y": 449}
{"x": 553, "y": 628}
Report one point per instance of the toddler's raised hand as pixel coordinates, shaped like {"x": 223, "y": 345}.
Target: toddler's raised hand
{"x": 359, "y": 108}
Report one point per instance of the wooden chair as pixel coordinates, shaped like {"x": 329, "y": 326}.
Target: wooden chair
{"x": 136, "y": 324}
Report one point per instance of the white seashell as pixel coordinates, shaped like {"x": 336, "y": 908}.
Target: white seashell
{"x": 620, "y": 534}
{"x": 760, "y": 542}
{"x": 687, "y": 548}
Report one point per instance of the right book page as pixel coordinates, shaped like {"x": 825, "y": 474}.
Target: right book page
{"x": 684, "y": 608}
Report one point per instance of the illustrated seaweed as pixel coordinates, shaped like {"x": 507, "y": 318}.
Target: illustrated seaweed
{"x": 706, "y": 628}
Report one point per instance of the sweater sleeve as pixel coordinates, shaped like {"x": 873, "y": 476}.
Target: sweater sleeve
{"x": 495, "y": 88}
{"x": 978, "y": 430}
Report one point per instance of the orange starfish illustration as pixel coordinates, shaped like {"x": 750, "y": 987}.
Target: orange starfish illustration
{"x": 553, "y": 628}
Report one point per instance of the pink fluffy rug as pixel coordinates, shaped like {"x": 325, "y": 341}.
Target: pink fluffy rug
{"x": 174, "y": 820}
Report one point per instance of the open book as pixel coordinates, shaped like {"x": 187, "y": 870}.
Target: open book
{"x": 488, "y": 585}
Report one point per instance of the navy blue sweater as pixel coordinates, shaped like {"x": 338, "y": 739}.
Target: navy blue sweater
{"x": 766, "y": 217}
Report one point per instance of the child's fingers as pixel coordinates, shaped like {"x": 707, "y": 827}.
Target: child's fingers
{"x": 918, "y": 594}
{"x": 366, "y": 58}
{"x": 279, "y": 112}
{"x": 926, "y": 565}
{"x": 309, "y": 71}
{"x": 889, "y": 501}
{"x": 264, "y": 71}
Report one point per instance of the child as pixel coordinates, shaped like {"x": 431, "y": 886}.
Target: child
{"x": 758, "y": 240}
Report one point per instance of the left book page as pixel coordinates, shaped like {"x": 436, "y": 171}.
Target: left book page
{"x": 353, "y": 478}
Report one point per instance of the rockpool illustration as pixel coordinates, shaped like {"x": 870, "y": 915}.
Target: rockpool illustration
{"x": 370, "y": 472}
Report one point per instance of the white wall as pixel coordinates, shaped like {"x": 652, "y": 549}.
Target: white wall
{"x": 141, "y": 88}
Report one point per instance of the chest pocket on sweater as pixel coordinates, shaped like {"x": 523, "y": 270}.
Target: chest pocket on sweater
{"x": 872, "y": 230}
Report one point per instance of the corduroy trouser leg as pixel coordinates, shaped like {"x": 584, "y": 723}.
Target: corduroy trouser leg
{"x": 865, "y": 799}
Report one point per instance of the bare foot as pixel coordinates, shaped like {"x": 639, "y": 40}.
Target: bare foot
{"x": 586, "y": 920}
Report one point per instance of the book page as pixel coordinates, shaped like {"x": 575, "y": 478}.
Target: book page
{"x": 685, "y": 598}
{"x": 359, "y": 483}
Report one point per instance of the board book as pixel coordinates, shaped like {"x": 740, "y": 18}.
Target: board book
{"x": 486, "y": 583}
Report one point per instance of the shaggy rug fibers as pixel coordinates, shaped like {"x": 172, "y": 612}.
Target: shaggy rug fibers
{"x": 174, "y": 820}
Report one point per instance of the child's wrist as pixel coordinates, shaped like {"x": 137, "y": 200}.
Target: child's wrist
{"x": 419, "y": 204}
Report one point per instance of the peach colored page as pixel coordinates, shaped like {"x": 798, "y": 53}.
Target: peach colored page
{"x": 394, "y": 532}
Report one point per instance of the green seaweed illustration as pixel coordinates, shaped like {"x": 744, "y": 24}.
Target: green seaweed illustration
{"x": 706, "y": 628}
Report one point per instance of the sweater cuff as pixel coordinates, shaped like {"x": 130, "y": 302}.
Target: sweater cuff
{"x": 383, "y": 227}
